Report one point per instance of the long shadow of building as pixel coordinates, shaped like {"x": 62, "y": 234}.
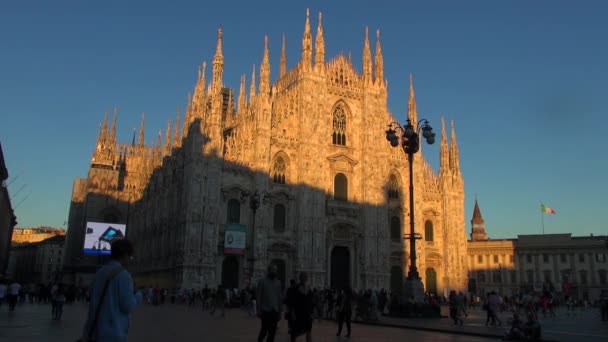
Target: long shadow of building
{"x": 332, "y": 195}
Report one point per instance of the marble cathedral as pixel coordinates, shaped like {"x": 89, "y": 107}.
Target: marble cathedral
{"x": 333, "y": 193}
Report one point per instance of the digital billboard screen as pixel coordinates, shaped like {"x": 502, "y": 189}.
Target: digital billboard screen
{"x": 99, "y": 236}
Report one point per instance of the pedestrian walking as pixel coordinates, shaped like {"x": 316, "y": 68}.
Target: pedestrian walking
{"x": 13, "y": 295}
{"x": 112, "y": 297}
{"x": 301, "y": 307}
{"x": 269, "y": 304}
{"x": 345, "y": 310}
{"x": 58, "y": 299}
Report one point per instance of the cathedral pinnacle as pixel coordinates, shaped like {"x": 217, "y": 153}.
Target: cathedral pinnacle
{"x": 412, "y": 112}
{"x": 104, "y": 128}
{"x": 252, "y": 88}
{"x": 242, "y": 100}
{"x": 199, "y": 91}
{"x": 141, "y": 130}
{"x": 113, "y": 129}
{"x": 444, "y": 158}
{"x": 379, "y": 62}
{"x": 320, "y": 45}
{"x": 367, "y": 59}
{"x": 307, "y": 43}
{"x": 454, "y": 155}
{"x": 176, "y": 137}
{"x": 167, "y": 150}
{"x": 265, "y": 70}
{"x": 283, "y": 69}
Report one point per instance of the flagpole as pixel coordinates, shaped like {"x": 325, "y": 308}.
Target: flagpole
{"x": 542, "y": 220}
{"x": 542, "y": 216}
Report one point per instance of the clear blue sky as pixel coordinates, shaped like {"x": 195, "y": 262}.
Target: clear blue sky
{"x": 525, "y": 82}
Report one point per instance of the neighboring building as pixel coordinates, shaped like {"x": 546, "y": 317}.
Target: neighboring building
{"x": 29, "y": 235}
{"x": 561, "y": 263}
{"x": 7, "y": 217}
{"x": 335, "y": 201}
{"x": 38, "y": 262}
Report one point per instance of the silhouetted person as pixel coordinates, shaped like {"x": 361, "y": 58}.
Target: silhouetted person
{"x": 269, "y": 304}
{"x": 112, "y": 297}
{"x": 345, "y": 310}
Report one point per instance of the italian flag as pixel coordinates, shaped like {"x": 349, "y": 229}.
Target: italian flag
{"x": 546, "y": 210}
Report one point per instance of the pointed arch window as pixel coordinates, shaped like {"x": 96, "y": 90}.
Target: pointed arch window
{"x": 428, "y": 231}
{"x": 278, "y": 170}
{"x": 279, "y": 218}
{"x": 393, "y": 187}
{"x": 234, "y": 211}
{"x": 340, "y": 187}
{"x": 339, "y": 127}
{"x": 395, "y": 229}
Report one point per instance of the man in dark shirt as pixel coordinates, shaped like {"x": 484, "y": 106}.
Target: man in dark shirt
{"x": 269, "y": 304}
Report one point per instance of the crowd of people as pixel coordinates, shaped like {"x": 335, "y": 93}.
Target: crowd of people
{"x": 113, "y": 296}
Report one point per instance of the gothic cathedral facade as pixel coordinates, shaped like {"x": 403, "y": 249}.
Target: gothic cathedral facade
{"x": 333, "y": 194}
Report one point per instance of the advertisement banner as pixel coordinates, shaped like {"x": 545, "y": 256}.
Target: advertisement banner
{"x": 234, "y": 240}
{"x": 99, "y": 236}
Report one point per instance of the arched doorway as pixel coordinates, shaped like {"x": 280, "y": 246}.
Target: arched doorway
{"x": 230, "y": 272}
{"x": 431, "y": 280}
{"x": 396, "y": 279}
{"x": 340, "y": 267}
{"x": 280, "y": 264}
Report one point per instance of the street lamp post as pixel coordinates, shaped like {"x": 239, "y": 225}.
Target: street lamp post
{"x": 254, "y": 204}
{"x": 409, "y": 138}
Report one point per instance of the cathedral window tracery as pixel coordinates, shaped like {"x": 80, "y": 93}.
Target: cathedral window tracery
{"x": 340, "y": 187}
{"x": 393, "y": 187}
{"x": 278, "y": 170}
{"x": 339, "y": 127}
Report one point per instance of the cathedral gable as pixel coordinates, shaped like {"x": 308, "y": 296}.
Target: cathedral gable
{"x": 341, "y": 161}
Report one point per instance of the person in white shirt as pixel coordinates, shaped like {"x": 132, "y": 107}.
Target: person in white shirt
{"x": 13, "y": 295}
{"x": 2, "y": 292}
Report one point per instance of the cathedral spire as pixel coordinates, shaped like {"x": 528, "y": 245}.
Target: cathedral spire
{"x": 478, "y": 226}
{"x": 444, "y": 158}
{"x": 320, "y": 45}
{"x": 412, "y": 112}
{"x": 176, "y": 137}
{"x": 367, "y": 58}
{"x": 167, "y": 150}
{"x": 307, "y": 43}
{"x": 242, "y": 101}
{"x": 252, "y": 88}
{"x": 454, "y": 154}
{"x": 218, "y": 64}
{"x": 265, "y": 70}
{"x": 113, "y": 129}
{"x": 283, "y": 69}
{"x": 141, "y": 131}
{"x": 379, "y": 62}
